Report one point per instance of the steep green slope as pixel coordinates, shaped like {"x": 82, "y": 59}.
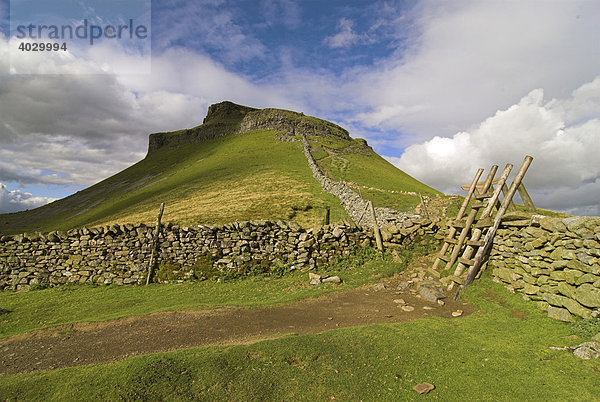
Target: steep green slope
{"x": 214, "y": 173}
{"x": 368, "y": 173}
{"x": 238, "y": 177}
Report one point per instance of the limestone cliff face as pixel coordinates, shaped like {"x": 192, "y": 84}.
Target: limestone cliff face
{"x": 222, "y": 119}
{"x": 227, "y": 118}
{"x": 290, "y": 123}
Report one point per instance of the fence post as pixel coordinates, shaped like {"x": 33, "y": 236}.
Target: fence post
{"x": 155, "y": 242}
{"x": 376, "y": 228}
{"x": 424, "y": 206}
{"x": 326, "y": 217}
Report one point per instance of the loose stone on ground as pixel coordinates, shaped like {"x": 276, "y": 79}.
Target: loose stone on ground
{"x": 424, "y": 388}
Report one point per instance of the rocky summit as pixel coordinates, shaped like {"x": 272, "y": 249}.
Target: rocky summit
{"x": 226, "y": 118}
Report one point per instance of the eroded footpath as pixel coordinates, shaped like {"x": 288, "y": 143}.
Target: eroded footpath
{"x": 89, "y": 343}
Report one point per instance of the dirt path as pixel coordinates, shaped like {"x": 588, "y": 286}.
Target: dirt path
{"x": 88, "y": 343}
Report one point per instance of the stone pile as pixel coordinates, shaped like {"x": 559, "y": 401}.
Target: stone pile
{"x": 554, "y": 262}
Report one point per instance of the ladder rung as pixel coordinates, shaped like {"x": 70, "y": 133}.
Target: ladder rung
{"x": 466, "y": 261}
{"x": 433, "y": 272}
{"x": 444, "y": 258}
{"x": 476, "y": 243}
{"x": 483, "y": 196}
{"x": 457, "y": 279}
{"x": 480, "y": 204}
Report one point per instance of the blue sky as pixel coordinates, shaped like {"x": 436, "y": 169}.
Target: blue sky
{"x": 259, "y": 39}
{"x": 426, "y": 83}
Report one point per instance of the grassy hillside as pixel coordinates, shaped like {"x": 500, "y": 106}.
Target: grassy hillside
{"x": 368, "y": 173}
{"x": 222, "y": 179}
{"x": 238, "y": 177}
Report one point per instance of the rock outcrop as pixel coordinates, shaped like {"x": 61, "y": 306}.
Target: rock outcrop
{"x": 228, "y": 118}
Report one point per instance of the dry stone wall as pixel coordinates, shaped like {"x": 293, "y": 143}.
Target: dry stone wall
{"x": 554, "y": 262}
{"x": 353, "y": 203}
{"x": 119, "y": 254}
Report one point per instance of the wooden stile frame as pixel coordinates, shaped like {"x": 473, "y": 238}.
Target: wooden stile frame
{"x": 484, "y": 198}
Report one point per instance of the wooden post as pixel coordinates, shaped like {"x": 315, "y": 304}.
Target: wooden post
{"x": 326, "y": 217}
{"x": 363, "y": 213}
{"x": 526, "y": 198}
{"x": 376, "y": 228}
{"x": 482, "y": 252}
{"x": 511, "y": 205}
{"x": 155, "y": 242}
{"x": 424, "y": 206}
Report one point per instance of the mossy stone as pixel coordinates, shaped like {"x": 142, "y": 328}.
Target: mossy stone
{"x": 588, "y": 295}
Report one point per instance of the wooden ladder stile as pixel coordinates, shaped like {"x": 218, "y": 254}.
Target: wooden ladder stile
{"x": 475, "y": 207}
{"x": 511, "y": 205}
{"x": 484, "y": 250}
{"x": 526, "y": 198}
{"x": 485, "y": 199}
{"x": 478, "y": 231}
{"x": 459, "y": 215}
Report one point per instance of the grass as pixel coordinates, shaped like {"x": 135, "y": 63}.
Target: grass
{"x": 377, "y": 179}
{"x": 401, "y": 202}
{"x": 238, "y": 177}
{"x": 499, "y": 353}
{"x": 374, "y": 171}
{"x": 32, "y": 310}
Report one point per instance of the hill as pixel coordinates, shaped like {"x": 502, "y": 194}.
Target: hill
{"x": 240, "y": 164}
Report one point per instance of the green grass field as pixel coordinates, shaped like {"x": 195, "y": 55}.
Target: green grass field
{"x": 70, "y": 304}
{"x": 499, "y": 353}
{"x": 377, "y": 180}
{"x": 238, "y": 177}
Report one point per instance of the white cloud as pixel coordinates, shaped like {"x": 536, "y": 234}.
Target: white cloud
{"x": 561, "y": 135}
{"x": 456, "y": 64}
{"x": 79, "y": 128}
{"x": 345, "y": 37}
{"x": 16, "y": 200}
{"x": 473, "y": 58}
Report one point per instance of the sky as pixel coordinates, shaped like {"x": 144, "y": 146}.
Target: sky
{"x": 439, "y": 88}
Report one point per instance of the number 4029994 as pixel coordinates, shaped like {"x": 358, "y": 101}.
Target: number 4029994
{"x": 42, "y": 47}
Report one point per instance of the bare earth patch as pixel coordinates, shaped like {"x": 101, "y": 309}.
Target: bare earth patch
{"x": 88, "y": 343}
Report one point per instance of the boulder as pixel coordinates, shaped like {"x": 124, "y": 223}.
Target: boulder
{"x": 431, "y": 294}
{"x": 588, "y": 350}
